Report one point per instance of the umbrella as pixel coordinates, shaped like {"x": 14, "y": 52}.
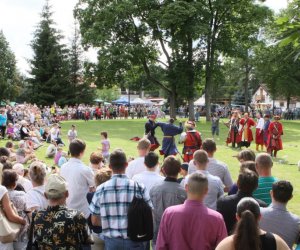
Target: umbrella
{"x": 98, "y": 100}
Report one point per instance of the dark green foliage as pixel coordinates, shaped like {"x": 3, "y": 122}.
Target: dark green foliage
{"x": 49, "y": 81}
{"x": 9, "y": 76}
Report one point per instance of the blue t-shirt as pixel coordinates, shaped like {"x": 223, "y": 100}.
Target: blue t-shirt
{"x": 3, "y": 120}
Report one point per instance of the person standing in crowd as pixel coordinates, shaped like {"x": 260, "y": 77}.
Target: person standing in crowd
{"x": 72, "y": 133}
{"x": 167, "y": 192}
{"x": 150, "y": 127}
{"x": 57, "y": 225}
{"x": 215, "y": 121}
{"x": 191, "y": 225}
{"x": 170, "y": 131}
{"x": 9, "y": 213}
{"x": 215, "y": 185}
{"x": 110, "y": 204}
{"x": 266, "y": 129}
{"x": 191, "y": 139}
{"x": 105, "y": 146}
{"x": 248, "y": 235}
{"x": 245, "y": 136}
{"x": 247, "y": 183}
{"x": 264, "y": 166}
{"x": 277, "y": 219}
{"x": 214, "y": 167}
{"x": 274, "y": 140}
{"x": 3, "y": 122}
{"x": 233, "y": 126}
{"x": 137, "y": 166}
{"x": 79, "y": 177}
{"x": 35, "y": 199}
{"x": 150, "y": 177}
{"x": 259, "y": 134}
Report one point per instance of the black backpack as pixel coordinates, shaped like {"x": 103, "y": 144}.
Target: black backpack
{"x": 140, "y": 221}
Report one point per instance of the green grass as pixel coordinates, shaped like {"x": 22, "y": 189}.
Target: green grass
{"x": 120, "y": 131}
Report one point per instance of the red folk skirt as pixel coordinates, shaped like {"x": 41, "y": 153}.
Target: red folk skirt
{"x": 259, "y": 137}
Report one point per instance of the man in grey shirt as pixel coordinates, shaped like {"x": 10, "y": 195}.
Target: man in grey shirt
{"x": 214, "y": 167}
{"x": 276, "y": 218}
{"x": 167, "y": 192}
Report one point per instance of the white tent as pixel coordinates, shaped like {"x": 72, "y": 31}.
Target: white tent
{"x": 200, "y": 101}
{"x": 138, "y": 101}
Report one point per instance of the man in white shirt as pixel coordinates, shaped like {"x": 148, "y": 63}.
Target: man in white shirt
{"x": 259, "y": 135}
{"x": 80, "y": 178}
{"x": 149, "y": 177}
{"x": 137, "y": 166}
{"x": 26, "y": 184}
{"x": 214, "y": 167}
{"x": 55, "y": 134}
{"x": 215, "y": 185}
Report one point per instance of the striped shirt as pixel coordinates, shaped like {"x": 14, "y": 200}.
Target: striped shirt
{"x": 216, "y": 168}
{"x": 111, "y": 201}
{"x": 278, "y": 220}
{"x": 264, "y": 188}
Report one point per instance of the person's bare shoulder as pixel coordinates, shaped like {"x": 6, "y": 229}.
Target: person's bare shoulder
{"x": 281, "y": 245}
{"x": 226, "y": 244}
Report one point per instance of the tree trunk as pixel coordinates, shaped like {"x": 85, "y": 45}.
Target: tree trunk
{"x": 191, "y": 79}
{"x": 246, "y": 88}
{"x": 173, "y": 105}
{"x": 288, "y": 101}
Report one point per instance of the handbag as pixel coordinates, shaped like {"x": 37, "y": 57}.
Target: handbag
{"x": 8, "y": 230}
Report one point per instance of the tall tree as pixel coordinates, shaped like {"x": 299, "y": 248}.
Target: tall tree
{"x": 144, "y": 34}
{"x": 49, "y": 81}
{"x": 80, "y": 89}
{"x": 229, "y": 23}
{"x": 9, "y": 76}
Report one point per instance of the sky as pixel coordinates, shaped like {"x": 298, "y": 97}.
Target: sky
{"x": 19, "y": 18}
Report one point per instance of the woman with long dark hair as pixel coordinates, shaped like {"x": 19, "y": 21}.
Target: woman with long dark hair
{"x": 248, "y": 235}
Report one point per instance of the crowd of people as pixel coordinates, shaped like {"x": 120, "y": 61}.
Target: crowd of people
{"x": 122, "y": 203}
{"x": 86, "y": 207}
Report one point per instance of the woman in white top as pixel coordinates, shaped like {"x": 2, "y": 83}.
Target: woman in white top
{"x": 9, "y": 213}
{"x": 35, "y": 199}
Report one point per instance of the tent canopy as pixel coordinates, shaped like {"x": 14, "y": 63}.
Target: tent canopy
{"x": 98, "y": 100}
{"x": 138, "y": 101}
{"x": 200, "y": 101}
{"x": 122, "y": 100}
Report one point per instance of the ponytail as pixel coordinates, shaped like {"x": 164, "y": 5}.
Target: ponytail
{"x": 247, "y": 232}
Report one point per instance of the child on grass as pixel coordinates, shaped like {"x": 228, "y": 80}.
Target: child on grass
{"x": 105, "y": 146}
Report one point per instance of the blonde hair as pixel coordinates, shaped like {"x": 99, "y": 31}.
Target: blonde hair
{"x": 103, "y": 175}
{"x": 144, "y": 144}
{"x": 37, "y": 172}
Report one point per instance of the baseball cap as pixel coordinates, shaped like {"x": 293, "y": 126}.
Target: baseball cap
{"x": 55, "y": 187}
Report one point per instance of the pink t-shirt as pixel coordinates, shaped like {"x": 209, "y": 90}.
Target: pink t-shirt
{"x": 105, "y": 147}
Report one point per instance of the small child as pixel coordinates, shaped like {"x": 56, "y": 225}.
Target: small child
{"x": 105, "y": 146}
{"x": 215, "y": 125}
{"x": 58, "y": 155}
{"x": 183, "y": 171}
{"x": 72, "y": 133}
{"x": 63, "y": 159}
{"x": 10, "y": 131}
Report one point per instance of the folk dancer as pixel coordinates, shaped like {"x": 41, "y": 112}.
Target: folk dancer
{"x": 275, "y": 133}
{"x": 233, "y": 126}
{"x": 245, "y": 136}
{"x": 150, "y": 127}
{"x": 169, "y": 130}
{"x": 191, "y": 139}
{"x": 266, "y": 129}
{"x": 259, "y": 134}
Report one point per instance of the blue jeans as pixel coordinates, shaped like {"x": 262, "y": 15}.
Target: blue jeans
{"x": 122, "y": 244}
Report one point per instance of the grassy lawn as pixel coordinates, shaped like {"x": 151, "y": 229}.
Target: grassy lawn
{"x": 120, "y": 131}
